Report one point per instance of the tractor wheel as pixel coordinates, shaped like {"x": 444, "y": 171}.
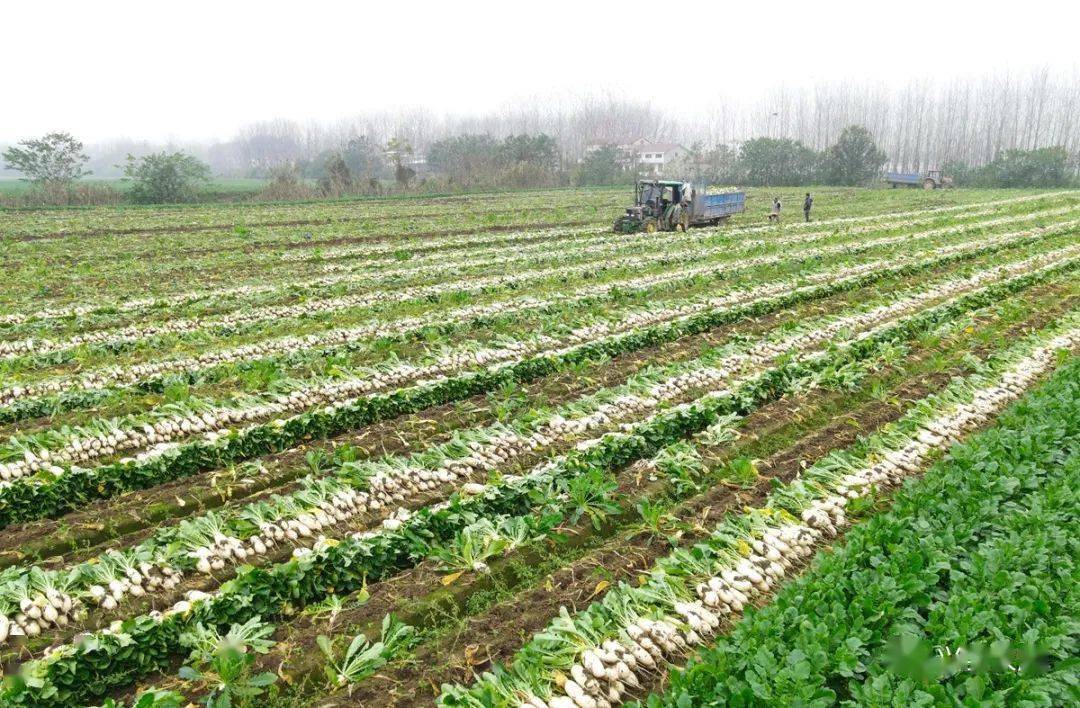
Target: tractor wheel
{"x": 928, "y": 184}
{"x": 650, "y": 228}
{"x": 680, "y": 227}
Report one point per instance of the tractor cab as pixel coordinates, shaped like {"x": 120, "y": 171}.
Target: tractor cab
{"x": 659, "y": 205}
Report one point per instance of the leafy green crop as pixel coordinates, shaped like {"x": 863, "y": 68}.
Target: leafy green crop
{"x": 965, "y": 593}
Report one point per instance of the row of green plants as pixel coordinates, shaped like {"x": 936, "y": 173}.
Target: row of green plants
{"x": 478, "y": 543}
{"x": 48, "y": 407}
{"x": 158, "y": 270}
{"x": 249, "y": 321}
{"x": 685, "y": 472}
{"x": 173, "y": 546}
{"x": 132, "y": 267}
{"x": 48, "y": 494}
{"x": 118, "y": 267}
{"x": 883, "y": 221}
{"x": 663, "y": 253}
{"x": 224, "y": 217}
{"x": 393, "y": 264}
{"x": 678, "y": 581}
{"x": 963, "y": 593}
{"x": 277, "y": 370}
{"x": 398, "y": 249}
{"x": 146, "y": 643}
{"x": 599, "y": 294}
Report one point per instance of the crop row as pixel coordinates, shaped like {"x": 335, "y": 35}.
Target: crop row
{"x": 302, "y": 395}
{"x": 599, "y": 245}
{"x": 345, "y": 212}
{"x": 111, "y": 338}
{"x": 210, "y": 542}
{"x": 675, "y": 258}
{"x": 670, "y": 499}
{"x": 874, "y": 222}
{"x": 470, "y": 313}
{"x": 142, "y": 644}
{"x": 107, "y": 437}
{"x": 960, "y": 593}
{"x": 145, "y": 305}
{"x": 599, "y": 655}
{"x": 49, "y": 492}
{"x": 583, "y": 296}
{"x": 602, "y": 235}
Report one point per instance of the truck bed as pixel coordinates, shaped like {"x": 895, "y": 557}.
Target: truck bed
{"x": 716, "y": 206}
{"x": 903, "y": 177}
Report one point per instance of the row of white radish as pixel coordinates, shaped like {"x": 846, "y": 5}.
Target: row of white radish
{"x": 606, "y": 673}
{"x": 648, "y": 629}
{"x": 873, "y": 221}
{"x": 136, "y": 372}
{"x": 84, "y": 446}
{"x": 389, "y": 485}
{"x": 182, "y": 299}
{"x": 114, "y": 436}
{"x": 134, "y": 333}
{"x": 1013, "y": 382}
{"x": 140, "y": 432}
{"x": 595, "y": 246}
{"x": 112, "y": 375}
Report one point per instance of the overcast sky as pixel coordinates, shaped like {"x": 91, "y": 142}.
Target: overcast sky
{"x": 199, "y": 70}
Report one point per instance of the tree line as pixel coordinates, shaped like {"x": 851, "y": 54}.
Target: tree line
{"x": 922, "y": 124}
{"x": 856, "y": 158}
{"x": 1002, "y": 129}
{"x": 55, "y": 162}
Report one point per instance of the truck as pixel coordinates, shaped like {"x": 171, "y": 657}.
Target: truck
{"x": 676, "y": 205}
{"x": 932, "y": 179}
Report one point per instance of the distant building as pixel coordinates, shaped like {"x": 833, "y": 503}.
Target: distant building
{"x": 653, "y": 157}
{"x": 642, "y": 155}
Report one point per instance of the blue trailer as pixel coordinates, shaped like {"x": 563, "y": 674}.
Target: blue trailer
{"x": 930, "y": 180}
{"x": 714, "y": 208}
{"x": 667, "y": 205}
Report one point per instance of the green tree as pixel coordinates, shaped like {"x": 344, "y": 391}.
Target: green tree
{"x": 527, "y": 160}
{"x": 776, "y": 161}
{"x": 538, "y": 151}
{"x": 855, "y": 158}
{"x": 165, "y": 178}
{"x": 361, "y": 155}
{"x": 467, "y": 157}
{"x": 397, "y": 149}
{"x": 338, "y": 178}
{"x": 723, "y": 165}
{"x": 600, "y": 167}
{"x": 286, "y": 183}
{"x": 55, "y": 159}
{"x": 1042, "y": 167}
{"x": 963, "y": 174}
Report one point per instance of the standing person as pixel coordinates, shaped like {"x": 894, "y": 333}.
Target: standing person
{"x": 774, "y": 215}
{"x": 807, "y": 203}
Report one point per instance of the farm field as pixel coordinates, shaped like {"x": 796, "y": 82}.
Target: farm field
{"x": 480, "y": 451}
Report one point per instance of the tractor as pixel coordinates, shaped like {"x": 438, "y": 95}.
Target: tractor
{"x": 670, "y": 205}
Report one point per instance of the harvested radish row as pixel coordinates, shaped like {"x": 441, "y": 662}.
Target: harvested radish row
{"x": 338, "y": 427}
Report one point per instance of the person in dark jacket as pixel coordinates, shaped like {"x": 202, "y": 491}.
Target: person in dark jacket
{"x": 807, "y": 203}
